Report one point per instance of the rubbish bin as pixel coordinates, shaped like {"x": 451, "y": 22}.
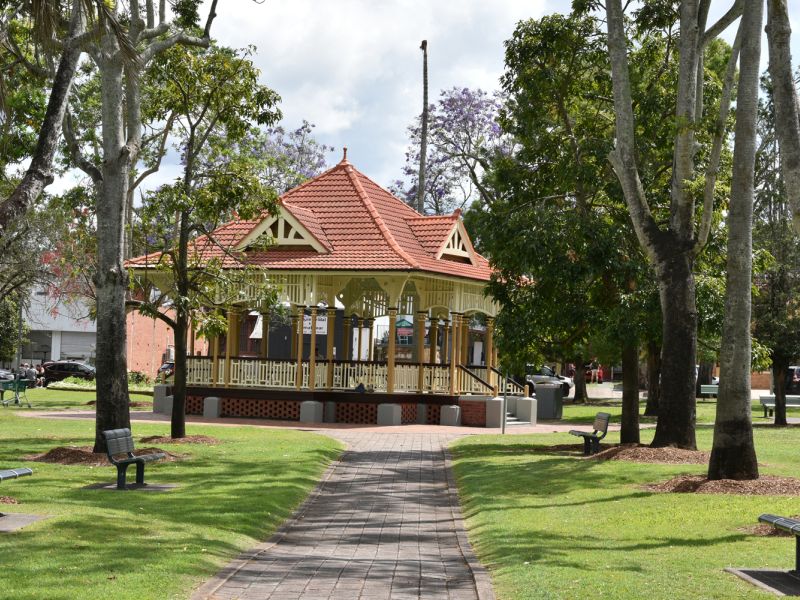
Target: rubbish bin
{"x": 550, "y": 401}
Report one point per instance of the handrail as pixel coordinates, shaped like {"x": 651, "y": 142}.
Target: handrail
{"x": 475, "y": 377}
{"x": 510, "y": 382}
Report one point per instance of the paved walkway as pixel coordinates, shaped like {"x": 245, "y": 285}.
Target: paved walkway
{"x": 384, "y": 523}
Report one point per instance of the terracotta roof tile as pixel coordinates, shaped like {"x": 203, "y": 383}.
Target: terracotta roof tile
{"x": 362, "y": 225}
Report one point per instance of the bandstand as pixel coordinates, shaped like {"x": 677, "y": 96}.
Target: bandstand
{"x": 341, "y": 240}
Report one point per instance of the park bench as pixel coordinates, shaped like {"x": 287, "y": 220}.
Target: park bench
{"x": 18, "y": 386}
{"x": 14, "y": 473}
{"x": 709, "y": 390}
{"x": 120, "y": 442}
{"x": 591, "y": 440}
{"x": 768, "y": 403}
{"x": 791, "y": 526}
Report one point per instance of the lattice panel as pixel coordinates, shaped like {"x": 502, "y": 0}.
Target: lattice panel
{"x": 194, "y": 405}
{"x": 408, "y": 413}
{"x": 434, "y": 413}
{"x": 282, "y": 410}
{"x": 355, "y": 412}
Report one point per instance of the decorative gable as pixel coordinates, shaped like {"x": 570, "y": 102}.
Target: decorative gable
{"x": 282, "y": 231}
{"x": 458, "y": 248}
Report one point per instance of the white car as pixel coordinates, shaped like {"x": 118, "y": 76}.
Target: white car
{"x": 546, "y": 375}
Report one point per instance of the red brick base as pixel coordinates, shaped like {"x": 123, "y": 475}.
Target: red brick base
{"x": 473, "y": 413}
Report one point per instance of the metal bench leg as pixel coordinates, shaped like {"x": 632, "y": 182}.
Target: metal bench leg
{"x": 796, "y": 555}
{"x": 587, "y": 446}
{"x": 140, "y": 473}
{"x": 121, "y": 476}
{"x": 595, "y": 445}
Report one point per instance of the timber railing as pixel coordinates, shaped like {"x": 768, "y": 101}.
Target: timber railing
{"x": 470, "y": 383}
{"x": 507, "y": 385}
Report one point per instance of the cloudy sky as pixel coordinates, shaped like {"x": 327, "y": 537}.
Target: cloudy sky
{"x": 354, "y": 67}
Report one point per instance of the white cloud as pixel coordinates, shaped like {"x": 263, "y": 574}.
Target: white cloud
{"x": 354, "y": 68}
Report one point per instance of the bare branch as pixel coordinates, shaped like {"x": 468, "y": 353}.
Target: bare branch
{"x": 83, "y": 163}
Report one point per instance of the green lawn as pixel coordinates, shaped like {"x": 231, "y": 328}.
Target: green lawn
{"x": 555, "y": 526}
{"x": 107, "y": 544}
{"x": 50, "y": 399}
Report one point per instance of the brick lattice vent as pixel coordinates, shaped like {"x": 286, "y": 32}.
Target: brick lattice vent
{"x": 194, "y": 405}
{"x": 408, "y": 413}
{"x": 281, "y": 410}
{"x": 355, "y": 412}
{"x": 473, "y": 413}
{"x": 434, "y": 412}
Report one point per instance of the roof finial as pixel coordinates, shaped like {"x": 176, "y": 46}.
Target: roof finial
{"x": 344, "y": 156}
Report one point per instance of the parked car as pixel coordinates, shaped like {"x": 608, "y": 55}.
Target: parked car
{"x": 61, "y": 369}
{"x": 165, "y": 370}
{"x": 6, "y": 375}
{"x": 545, "y": 374}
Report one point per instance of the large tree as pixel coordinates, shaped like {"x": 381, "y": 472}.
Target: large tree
{"x": 121, "y": 48}
{"x": 672, "y": 247}
{"x": 733, "y": 454}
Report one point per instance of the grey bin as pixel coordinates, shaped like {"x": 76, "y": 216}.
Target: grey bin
{"x": 550, "y": 401}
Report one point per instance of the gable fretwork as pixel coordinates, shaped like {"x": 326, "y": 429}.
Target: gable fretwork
{"x": 457, "y": 248}
{"x": 281, "y": 231}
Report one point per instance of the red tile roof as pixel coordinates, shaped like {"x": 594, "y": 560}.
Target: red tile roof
{"x": 362, "y": 226}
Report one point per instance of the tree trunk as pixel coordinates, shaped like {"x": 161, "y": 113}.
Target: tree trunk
{"x": 779, "y": 370}
{"x": 39, "y": 174}
{"x": 423, "y": 139}
{"x": 784, "y": 93}
{"x": 111, "y": 280}
{"x": 580, "y": 382}
{"x": 653, "y": 378}
{"x": 671, "y": 251}
{"x": 676, "y": 406}
{"x": 178, "y": 425}
{"x": 629, "y": 433}
{"x": 733, "y": 454}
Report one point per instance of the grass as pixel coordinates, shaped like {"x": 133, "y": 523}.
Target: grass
{"x": 60, "y": 399}
{"x": 555, "y": 526}
{"x": 138, "y": 545}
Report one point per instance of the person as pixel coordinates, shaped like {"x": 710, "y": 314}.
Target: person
{"x": 39, "y": 375}
{"x": 595, "y": 369}
{"x": 31, "y": 375}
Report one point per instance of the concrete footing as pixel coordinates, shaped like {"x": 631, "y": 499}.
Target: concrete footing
{"x": 330, "y": 412}
{"x": 311, "y": 411}
{"x": 422, "y": 414}
{"x": 390, "y": 414}
{"x": 450, "y": 415}
{"x": 212, "y": 407}
{"x": 494, "y": 412}
{"x": 526, "y": 409}
{"x": 162, "y": 401}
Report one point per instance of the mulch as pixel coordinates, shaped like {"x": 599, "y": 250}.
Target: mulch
{"x": 767, "y": 530}
{"x": 189, "y": 439}
{"x": 646, "y": 454}
{"x": 83, "y": 455}
{"x": 635, "y": 453}
{"x": 766, "y": 485}
{"x": 8, "y": 500}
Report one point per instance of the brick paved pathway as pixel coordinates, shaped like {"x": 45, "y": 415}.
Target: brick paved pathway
{"x": 384, "y": 524}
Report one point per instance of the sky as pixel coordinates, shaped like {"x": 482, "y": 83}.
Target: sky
{"x": 354, "y": 68}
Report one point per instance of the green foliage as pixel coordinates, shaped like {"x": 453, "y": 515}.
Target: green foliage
{"x": 776, "y": 301}
{"x": 9, "y": 332}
